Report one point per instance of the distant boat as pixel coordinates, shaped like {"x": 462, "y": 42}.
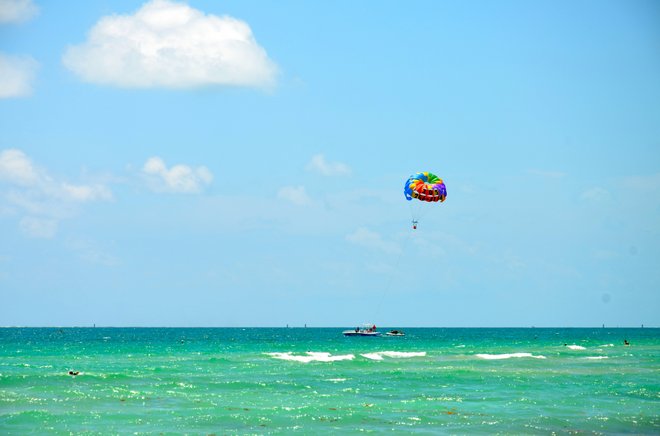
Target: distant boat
{"x": 395, "y": 333}
{"x": 367, "y": 330}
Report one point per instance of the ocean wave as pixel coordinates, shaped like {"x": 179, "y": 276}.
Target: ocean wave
{"x": 379, "y": 355}
{"x": 507, "y": 356}
{"x": 575, "y": 347}
{"x": 311, "y": 356}
{"x": 596, "y": 357}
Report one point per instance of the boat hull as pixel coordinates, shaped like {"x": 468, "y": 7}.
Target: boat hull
{"x": 354, "y": 333}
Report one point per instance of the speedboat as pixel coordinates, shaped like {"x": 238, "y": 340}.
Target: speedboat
{"x": 368, "y": 330}
{"x": 395, "y": 333}
{"x": 360, "y": 333}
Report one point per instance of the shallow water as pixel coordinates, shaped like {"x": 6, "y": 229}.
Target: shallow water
{"x": 261, "y": 381}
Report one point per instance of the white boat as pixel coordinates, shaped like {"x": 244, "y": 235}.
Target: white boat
{"x": 395, "y": 333}
{"x": 360, "y": 333}
{"x": 368, "y": 330}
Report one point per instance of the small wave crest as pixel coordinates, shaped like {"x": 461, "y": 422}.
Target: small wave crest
{"x": 596, "y": 357}
{"x": 311, "y": 356}
{"x": 575, "y": 347}
{"x": 507, "y": 356}
{"x": 379, "y": 355}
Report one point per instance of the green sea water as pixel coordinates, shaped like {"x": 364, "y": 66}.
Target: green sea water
{"x": 316, "y": 381}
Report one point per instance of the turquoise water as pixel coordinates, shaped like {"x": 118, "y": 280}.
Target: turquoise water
{"x": 315, "y": 381}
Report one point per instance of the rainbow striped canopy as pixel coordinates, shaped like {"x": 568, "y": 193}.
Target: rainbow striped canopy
{"x": 425, "y": 187}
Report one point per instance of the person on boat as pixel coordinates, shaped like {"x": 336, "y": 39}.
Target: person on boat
{"x": 414, "y": 223}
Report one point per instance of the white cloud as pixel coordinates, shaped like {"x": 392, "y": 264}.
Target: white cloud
{"x": 38, "y": 227}
{"x": 373, "y": 240}
{"x": 179, "y": 178}
{"x": 16, "y": 168}
{"x": 84, "y": 193}
{"x": 16, "y": 75}
{"x": 319, "y": 165}
{"x": 28, "y": 190}
{"x": 172, "y": 45}
{"x": 294, "y": 194}
{"x": 17, "y": 11}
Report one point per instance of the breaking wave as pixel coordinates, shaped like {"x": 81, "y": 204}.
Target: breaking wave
{"x": 507, "y": 356}
{"x": 311, "y": 356}
{"x": 379, "y": 355}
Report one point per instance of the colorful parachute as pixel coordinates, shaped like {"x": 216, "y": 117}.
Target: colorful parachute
{"x": 425, "y": 187}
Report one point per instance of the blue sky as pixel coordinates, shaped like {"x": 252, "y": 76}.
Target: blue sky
{"x": 242, "y": 163}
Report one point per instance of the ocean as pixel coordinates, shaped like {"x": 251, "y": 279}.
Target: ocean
{"x": 316, "y": 381}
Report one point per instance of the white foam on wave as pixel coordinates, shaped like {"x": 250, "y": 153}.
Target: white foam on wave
{"x": 311, "y": 356}
{"x": 379, "y": 355}
{"x": 607, "y": 345}
{"x": 507, "y": 356}
{"x": 575, "y": 347}
{"x": 596, "y": 357}
{"x": 335, "y": 380}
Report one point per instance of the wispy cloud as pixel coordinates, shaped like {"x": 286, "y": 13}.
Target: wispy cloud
{"x": 177, "y": 179}
{"x": 17, "y": 11}
{"x": 596, "y": 195}
{"x": 89, "y": 251}
{"x": 370, "y": 239}
{"x": 38, "y": 227}
{"x": 643, "y": 183}
{"x": 320, "y": 165}
{"x": 16, "y": 75}
{"x": 172, "y": 45}
{"x": 294, "y": 194}
{"x": 41, "y": 199}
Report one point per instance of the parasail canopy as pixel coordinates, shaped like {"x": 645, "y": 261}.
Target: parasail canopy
{"x": 425, "y": 186}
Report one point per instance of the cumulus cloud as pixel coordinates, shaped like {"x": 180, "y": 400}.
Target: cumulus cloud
{"x": 366, "y": 238}
{"x": 16, "y": 75}
{"x": 172, "y": 45}
{"x": 178, "y": 179}
{"x": 294, "y": 194}
{"x": 41, "y": 199}
{"x": 17, "y": 11}
{"x": 16, "y": 168}
{"x": 320, "y": 165}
